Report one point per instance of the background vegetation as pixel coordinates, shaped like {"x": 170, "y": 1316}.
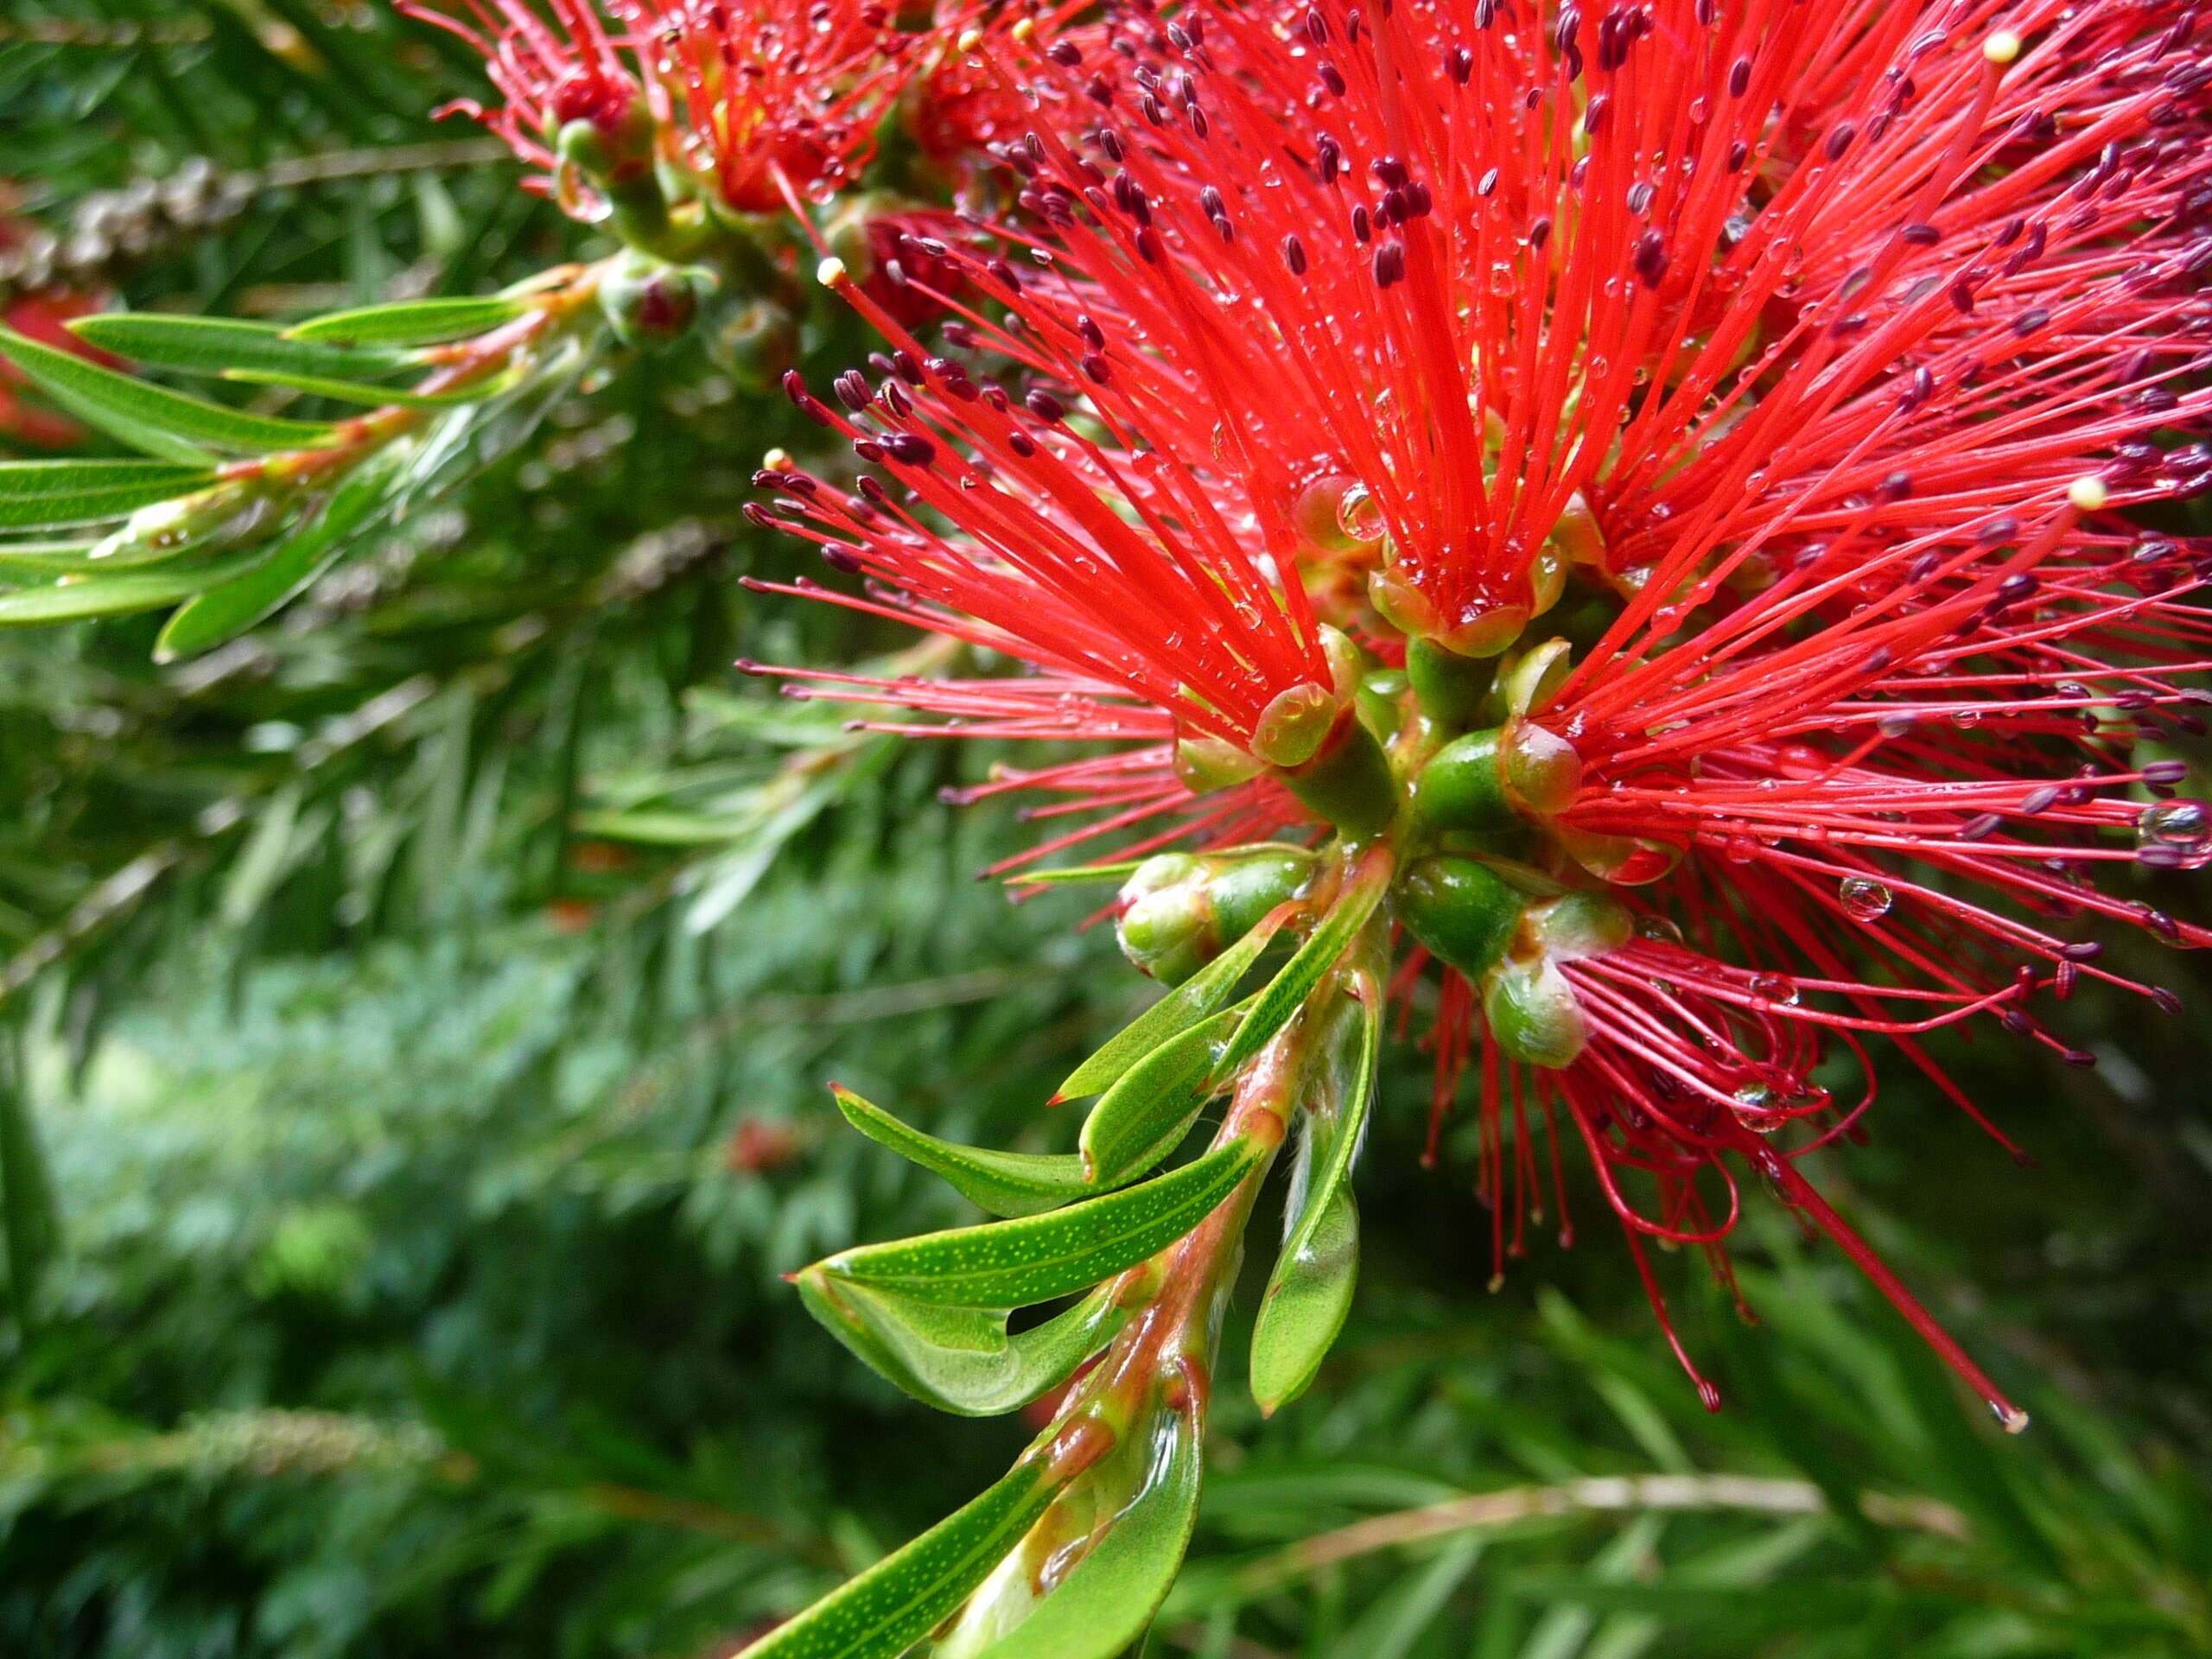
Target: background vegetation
{"x": 415, "y": 1018}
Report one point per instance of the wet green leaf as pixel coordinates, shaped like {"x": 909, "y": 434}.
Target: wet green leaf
{"x": 1202, "y": 994}
{"x": 37, "y": 494}
{"x": 353, "y": 392}
{"x": 221, "y": 345}
{"x": 1105, "y": 1603}
{"x": 884, "y": 1610}
{"x": 1004, "y": 1183}
{"x": 1152, "y": 1106}
{"x": 1314, "y": 958}
{"x": 959, "y": 1359}
{"x": 408, "y": 322}
{"x": 150, "y": 417}
{"x": 1311, "y": 1289}
{"x": 1013, "y": 1263}
{"x": 119, "y": 595}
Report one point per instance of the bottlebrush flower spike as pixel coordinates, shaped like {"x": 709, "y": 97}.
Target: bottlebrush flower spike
{"x": 753, "y": 101}
{"x": 1806, "y": 362}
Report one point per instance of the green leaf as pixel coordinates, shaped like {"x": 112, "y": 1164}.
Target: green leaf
{"x": 1142, "y": 1117}
{"x": 120, "y": 595}
{"x": 408, "y": 322}
{"x": 1105, "y": 1603}
{"x": 884, "y": 1610}
{"x": 29, "y": 1226}
{"x": 960, "y": 1359}
{"x": 150, "y": 417}
{"x": 1196, "y": 998}
{"x": 1310, "y": 1291}
{"x": 221, "y": 345}
{"x": 1004, "y": 1183}
{"x": 34, "y": 494}
{"x": 217, "y": 614}
{"x": 1013, "y": 1263}
{"x": 42, "y": 558}
{"x": 1315, "y": 957}
{"x": 352, "y": 391}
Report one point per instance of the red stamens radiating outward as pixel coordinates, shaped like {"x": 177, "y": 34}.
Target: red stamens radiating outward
{"x": 1805, "y": 357}
{"x": 739, "y": 93}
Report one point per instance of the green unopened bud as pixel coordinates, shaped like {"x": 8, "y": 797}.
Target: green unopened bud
{"x": 1578, "y": 924}
{"x": 1182, "y": 911}
{"x": 754, "y": 342}
{"x": 1348, "y": 780}
{"x": 1461, "y": 910}
{"x": 1543, "y": 773}
{"x": 1209, "y": 763}
{"x": 1293, "y": 727}
{"x": 650, "y": 301}
{"x": 1463, "y": 785}
{"x": 1533, "y": 1014}
{"x": 1376, "y": 702}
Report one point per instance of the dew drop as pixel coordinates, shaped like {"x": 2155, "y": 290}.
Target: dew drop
{"x": 1776, "y": 988}
{"x": 2182, "y": 823}
{"x": 1359, "y": 515}
{"x": 1864, "y": 899}
{"x": 1738, "y": 848}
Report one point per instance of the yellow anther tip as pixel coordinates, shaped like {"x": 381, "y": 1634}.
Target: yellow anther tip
{"x": 1022, "y": 30}
{"x": 777, "y": 460}
{"x": 970, "y": 39}
{"x": 2002, "y": 46}
{"x": 830, "y": 271}
{"x": 2089, "y": 494}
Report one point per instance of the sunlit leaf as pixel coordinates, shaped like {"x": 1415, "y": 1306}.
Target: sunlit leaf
{"x": 37, "y": 494}
{"x": 1013, "y": 1263}
{"x": 408, "y": 322}
{"x": 960, "y": 1359}
{"x": 885, "y": 1610}
{"x": 1004, "y": 1183}
{"x": 1290, "y": 987}
{"x": 150, "y": 417}
{"x": 221, "y": 345}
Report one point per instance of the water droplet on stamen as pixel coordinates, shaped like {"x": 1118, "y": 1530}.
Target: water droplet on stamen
{"x": 1864, "y": 899}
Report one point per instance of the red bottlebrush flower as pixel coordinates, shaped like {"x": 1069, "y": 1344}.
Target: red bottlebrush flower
{"x": 752, "y": 101}
{"x": 1802, "y": 361}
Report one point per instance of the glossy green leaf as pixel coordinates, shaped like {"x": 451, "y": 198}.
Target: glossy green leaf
{"x": 353, "y": 392}
{"x": 1004, "y": 1183}
{"x": 1013, "y": 1263}
{"x": 28, "y": 560}
{"x": 220, "y": 344}
{"x": 1197, "y": 997}
{"x": 1290, "y": 987}
{"x": 1148, "y": 1111}
{"x": 35, "y": 494}
{"x": 884, "y": 1610}
{"x": 150, "y": 417}
{"x": 408, "y": 322}
{"x": 222, "y": 612}
{"x": 1311, "y": 1289}
{"x": 121, "y": 594}
{"x": 960, "y": 1359}
{"x": 1104, "y": 1604}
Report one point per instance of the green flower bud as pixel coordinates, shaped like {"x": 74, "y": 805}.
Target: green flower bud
{"x": 1181, "y": 911}
{"x": 1543, "y": 773}
{"x": 1450, "y": 687}
{"x": 1293, "y": 727}
{"x": 1463, "y": 785}
{"x": 1534, "y": 1014}
{"x": 1347, "y": 780}
{"x": 650, "y": 301}
{"x": 1578, "y": 924}
{"x": 1460, "y": 910}
{"x": 754, "y": 342}
{"x": 1211, "y": 763}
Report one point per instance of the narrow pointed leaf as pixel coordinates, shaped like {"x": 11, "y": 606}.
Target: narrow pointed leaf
{"x": 1142, "y": 1117}
{"x": 1315, "y": 957}
{"x": 1004, "y": 1183}
{"x": 408, "y": 322}
{"x": 353, "y": 392}
{"x": 1310, "y": 1291}
{"x": 884, "y": 1610}
{"x": 220, "y": 614}
{"x": 154, "y": 418}
{"x": 960, "y": 1359}
{"x": 42, "y": 558}
{"x": 35, "y": 494}
{"x": 1197, "y": 997}
{"x": 220, "y": 344}
{"x": 1013, "y": 1263}
{"x": 1104, "y": 1604}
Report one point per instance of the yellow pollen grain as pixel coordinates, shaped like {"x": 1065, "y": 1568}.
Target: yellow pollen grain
{"x": 2089, "y": 494}
{"x": 2001, "y": 47}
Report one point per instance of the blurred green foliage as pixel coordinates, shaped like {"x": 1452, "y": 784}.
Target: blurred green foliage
{"x": 418, "y": 1014}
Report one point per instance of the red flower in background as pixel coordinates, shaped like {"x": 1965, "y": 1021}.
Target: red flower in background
{"x": 1797, "y": 361}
